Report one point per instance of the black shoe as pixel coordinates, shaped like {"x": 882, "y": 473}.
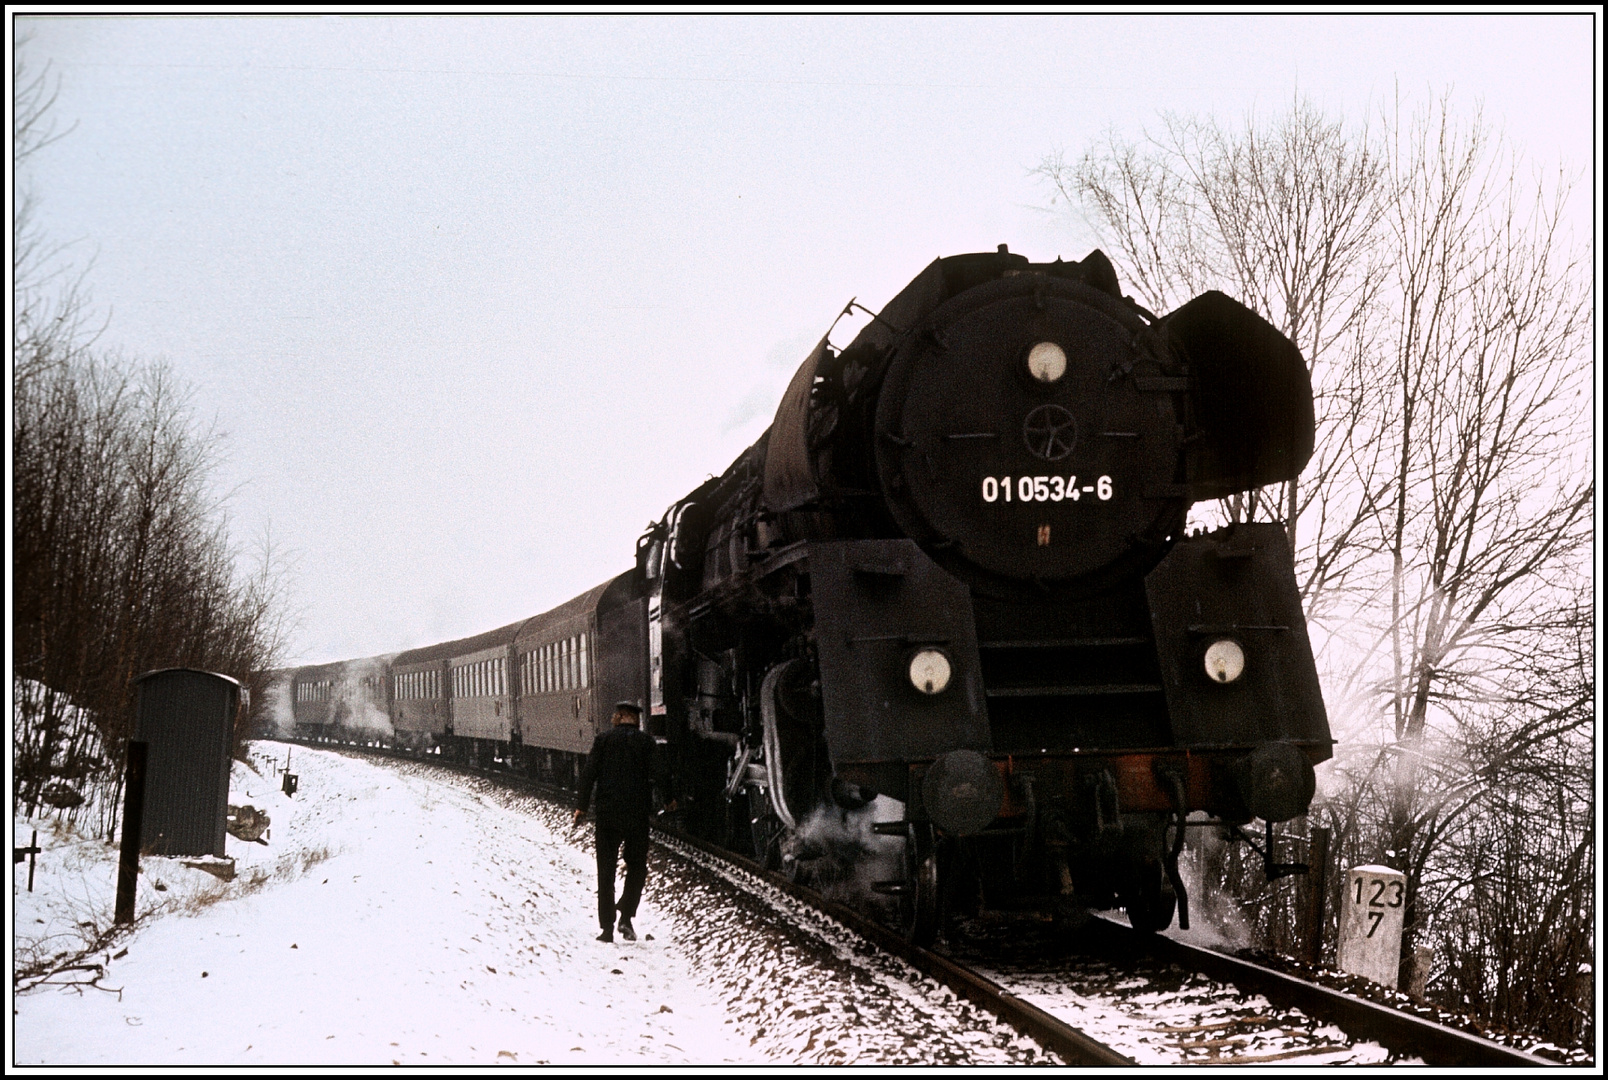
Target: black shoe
{"x": 626, "y": 930}
{"x": 607, "y": 936}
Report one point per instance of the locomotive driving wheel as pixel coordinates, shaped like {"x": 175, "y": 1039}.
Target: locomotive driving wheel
{"x": 1150, "y": 902}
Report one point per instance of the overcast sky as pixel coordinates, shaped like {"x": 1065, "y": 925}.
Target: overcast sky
{"x": 476, "y": 298}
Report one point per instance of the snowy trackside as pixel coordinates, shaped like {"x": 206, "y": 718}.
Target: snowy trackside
{"x": 402, "y": 915}
{"x": 440, "y": 929}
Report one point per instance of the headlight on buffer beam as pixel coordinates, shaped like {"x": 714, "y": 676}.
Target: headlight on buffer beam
{"x": 1225, "y": 661}
{"x": 929, "y": 671}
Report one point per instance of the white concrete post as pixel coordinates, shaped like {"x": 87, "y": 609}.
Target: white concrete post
{"x": 1370, "y": 923}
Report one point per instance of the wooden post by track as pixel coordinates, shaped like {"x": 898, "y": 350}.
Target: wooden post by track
{"x": 1317, "y": 894}
{"x": 128, "y": 862}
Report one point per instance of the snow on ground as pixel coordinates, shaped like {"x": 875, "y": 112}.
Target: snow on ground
{"x": 402, "y": 915}
{"x": 413, "y": 922}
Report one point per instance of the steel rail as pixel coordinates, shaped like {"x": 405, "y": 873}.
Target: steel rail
{"x": 1073, "y": 1046}
{"x": 1402, "y": 1032}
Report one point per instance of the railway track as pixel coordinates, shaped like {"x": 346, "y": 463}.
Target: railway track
{"x": 1118, "y": 997}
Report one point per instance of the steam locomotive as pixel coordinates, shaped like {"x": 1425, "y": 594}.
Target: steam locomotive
{"x": 953, "y": 573}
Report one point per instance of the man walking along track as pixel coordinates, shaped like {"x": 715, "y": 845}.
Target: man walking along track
{"x": 624, "y": 765}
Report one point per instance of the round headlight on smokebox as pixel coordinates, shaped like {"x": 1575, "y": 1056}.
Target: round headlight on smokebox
{"x": 1046, "y": 361}
{"x": 930, "y": 671}
{"x": 1225, "y": 661}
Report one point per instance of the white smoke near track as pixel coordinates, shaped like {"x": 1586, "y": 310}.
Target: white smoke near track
{"x": 360, "y": 696}
{"x": 844, "y": 856}
{"x": 277, "y": 706}
{"x": 1215, "y": 921}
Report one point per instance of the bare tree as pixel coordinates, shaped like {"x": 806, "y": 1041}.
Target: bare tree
{"x": 1491, "y": 492}
{"x": 1285, "y": 215}
{"x": 121, "y": 555}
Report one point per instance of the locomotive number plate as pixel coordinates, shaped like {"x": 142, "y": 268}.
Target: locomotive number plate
{"x": 1042, "y": 488}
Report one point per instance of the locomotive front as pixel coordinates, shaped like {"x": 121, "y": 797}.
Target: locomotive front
{"x": 1031, "y": 437}
{"x": 965, "y": 585}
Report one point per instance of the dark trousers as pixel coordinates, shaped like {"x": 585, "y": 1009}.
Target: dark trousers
{"x": 610, "y": 835}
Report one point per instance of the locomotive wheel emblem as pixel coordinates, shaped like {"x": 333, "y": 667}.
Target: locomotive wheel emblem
{"x": 1050, "y": 432}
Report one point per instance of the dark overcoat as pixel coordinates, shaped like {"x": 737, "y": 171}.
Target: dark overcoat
{"x": 623, "y": 767}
